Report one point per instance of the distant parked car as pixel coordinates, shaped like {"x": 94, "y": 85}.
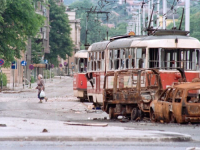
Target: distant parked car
{"x": 180, "y": 104}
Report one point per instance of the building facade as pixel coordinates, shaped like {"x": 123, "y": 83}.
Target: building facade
{"x": 16, "y": 75}
{"x": 75, "y": 36}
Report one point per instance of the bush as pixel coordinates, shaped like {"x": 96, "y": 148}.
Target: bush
{"x": 4, "y": 79}
{"x": 32, "y": 79}
{"x": 47, "y": 74}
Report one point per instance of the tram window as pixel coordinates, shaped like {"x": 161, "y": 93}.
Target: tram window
{"x": 98, "y": 65}
{"x": 81, "y": 65}
{"x": 133, "y": 63}
{"x": 126, "y": 58}
{"x": 102, "y": 55}
{"x": 88, "y": 66}
{"x": 111, "y": 54}
{"x": 153, "y": 58}
{"x": 111, "y": 59}
{"x": 99, "y": 55}
{"x": 132, "y": 57}
{"x": 111, "y": 64}
{"x": 122, "y": 56}
{"x": 180, "y": 58}
{"x": 122, "y": 63}
{"x": 85, "y": 65}
{"x": 95, "y": 66}
{"x": 92, "y": 66}
{"x": 91, "y": 56}
{"x": 116, "y": 59}
{"x": 140, "y": 57}
{"x": 102, "y": 61}
{"x": 197, "y": 59}
{"x": 116, "y": 62}
{"x": 99, "y": 61}
{"x": 95, "y": 56}
{"x": 126, "y": 63}
{"x": 133, "y": 52}
{"x": 126, "y": 53}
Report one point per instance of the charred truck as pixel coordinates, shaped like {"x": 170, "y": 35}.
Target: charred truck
{"x": 129, "y": 92}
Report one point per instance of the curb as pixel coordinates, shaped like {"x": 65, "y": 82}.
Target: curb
{"x": 17, "y": 91}
{"x": 98, "y": 139}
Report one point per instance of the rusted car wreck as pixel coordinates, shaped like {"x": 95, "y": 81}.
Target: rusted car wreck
{"x": 180, "y": 104}
{"x": 129, "y": 93}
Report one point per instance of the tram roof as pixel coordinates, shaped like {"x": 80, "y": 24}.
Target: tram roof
{"x": 167, "y": 41}
{"x": 99, "y": 46}
{"x": 164, "y": 41}
{"x": 81, "y": 54}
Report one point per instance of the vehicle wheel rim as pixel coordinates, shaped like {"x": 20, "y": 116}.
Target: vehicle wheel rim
{"x": 111, "y": 113}
{"x": 172, "y": 119}
{"x": 153, "y": 118}
{"x": 134, "y": 114}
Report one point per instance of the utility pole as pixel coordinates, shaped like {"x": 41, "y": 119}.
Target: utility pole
{"x": 164, "y": 13}
{"x": 143, "y": 18}
{"x": 139, "y": 26}
{"x": 187, "y": 15}
{"x": 86, "y": 31}
{"x": 152, "y": 22}
{"x": 158, "y": 12}
{"x": 107, "y": 25}
{"x": 149, "y": 11}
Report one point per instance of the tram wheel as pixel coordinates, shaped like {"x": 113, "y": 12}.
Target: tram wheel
{"x": 134, "y": 113}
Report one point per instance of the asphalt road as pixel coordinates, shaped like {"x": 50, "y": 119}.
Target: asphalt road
{"x": 95, "y": 146}
{"x": 62, "y": 106}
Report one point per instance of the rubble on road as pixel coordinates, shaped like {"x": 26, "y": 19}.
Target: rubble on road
{"x": 44, "y": 130}
{"x": 87, "y": 124}
{"x": 3, "y": 125}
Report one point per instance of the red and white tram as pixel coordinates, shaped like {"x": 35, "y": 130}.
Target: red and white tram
{"x": 80, "y": 81}
{"x": 164, "y": 51}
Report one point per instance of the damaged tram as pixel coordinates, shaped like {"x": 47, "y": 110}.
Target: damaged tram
{"x": 79, "y": 79}
{"x": 165, "y": 51}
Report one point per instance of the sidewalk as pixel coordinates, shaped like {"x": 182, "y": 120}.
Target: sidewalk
{"x": 20, "y": 129}
{"x": 26, "y": 88}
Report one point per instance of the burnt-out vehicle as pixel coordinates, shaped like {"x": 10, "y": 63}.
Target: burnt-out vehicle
{"x": 129, "y": 93}
{"x": 180, "y": 104}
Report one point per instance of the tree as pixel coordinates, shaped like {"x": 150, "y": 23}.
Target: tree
{"x": 119, "y": 30}
{"x": 18, "y": 21}
{"x": 96, "y": 25}
{"x": 36, "y": 52}
{"x": 60, "y": 40}
{"x": 194, "y": 21}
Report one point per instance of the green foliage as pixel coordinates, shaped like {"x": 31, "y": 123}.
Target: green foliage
{"x": 4, "y": 79}
{"x": 119, "y": 30}
{"x": 96, "y": 25}
{"x": 60, "y": 40}
{"x": 47, "y": 74}
{"x": 194, "y": 21}
{"x": 2, "y": 9}
{"x": 32, "y": 79}
{"x": 17, "y": 22}
{"x": 36, "y": 52}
